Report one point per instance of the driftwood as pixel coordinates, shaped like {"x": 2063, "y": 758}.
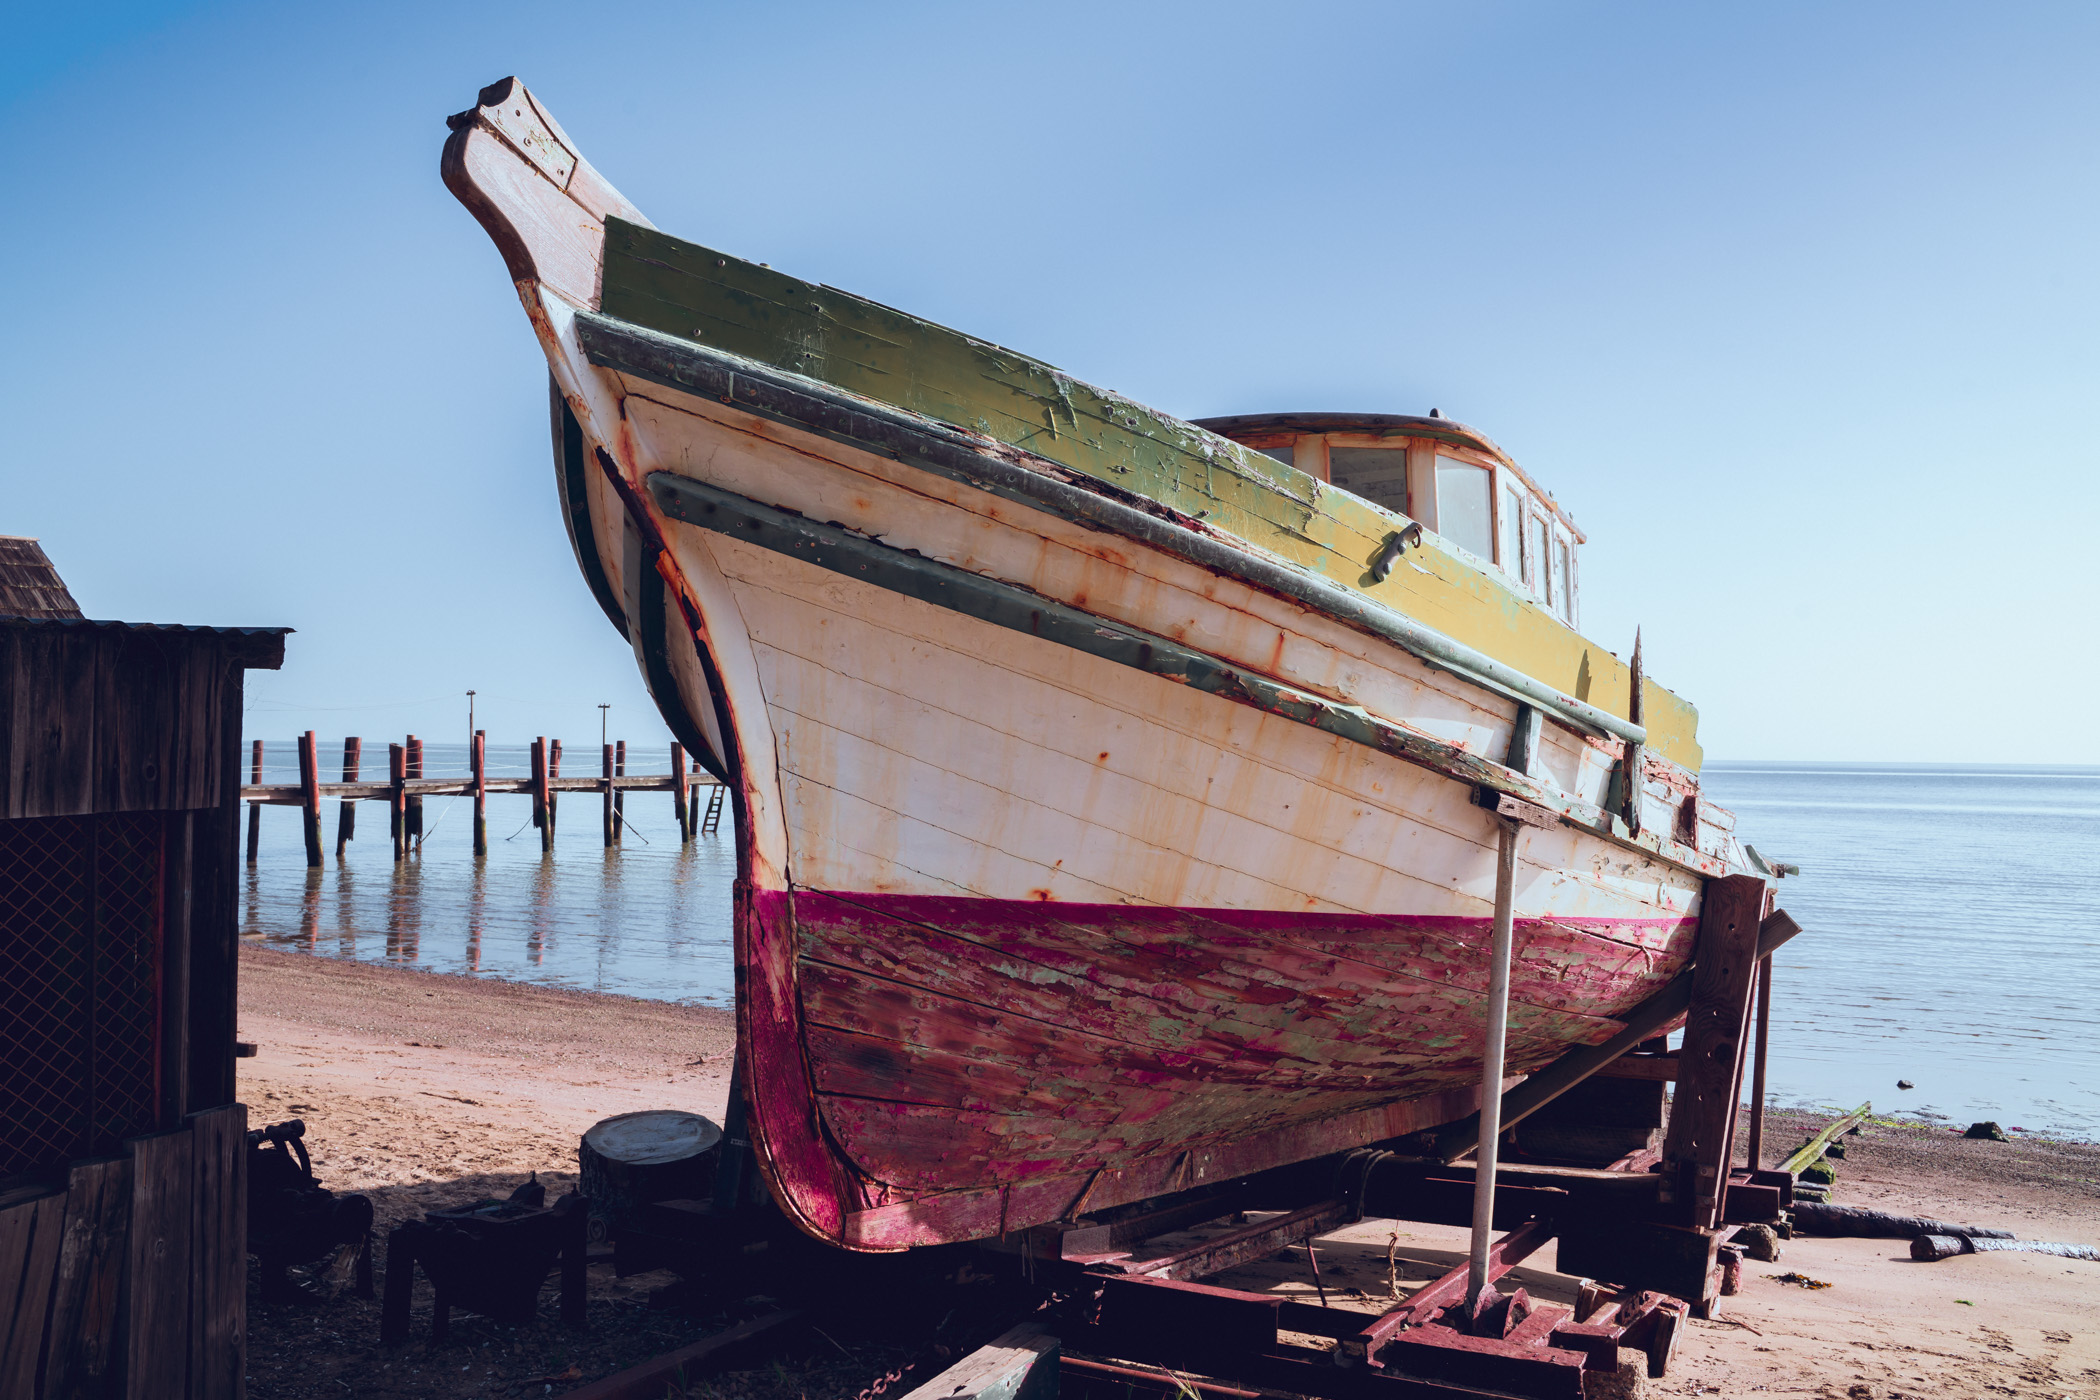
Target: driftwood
{"x": 1857, "y": 1222}
{"x": 1947, "y": 1246}
{"x": 1813, "y": 1149}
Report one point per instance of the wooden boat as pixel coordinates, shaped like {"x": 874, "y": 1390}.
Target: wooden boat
{"x": 1107, "y": 787}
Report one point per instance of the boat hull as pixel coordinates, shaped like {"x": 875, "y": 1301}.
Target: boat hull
{"x": 1037, "y": 916}
{"x": 1072, "y": 869}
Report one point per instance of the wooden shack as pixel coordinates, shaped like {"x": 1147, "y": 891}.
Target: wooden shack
{"x": 122, "y": 1210}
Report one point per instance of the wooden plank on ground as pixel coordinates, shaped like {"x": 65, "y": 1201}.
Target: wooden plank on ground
{"x": 158, "y": 1311}
{"x": 219, "y": 1255}
{"x": 1021, "y": 1364}
{"x": 29, "y": 1239}
{"x": 85, "y": 1329}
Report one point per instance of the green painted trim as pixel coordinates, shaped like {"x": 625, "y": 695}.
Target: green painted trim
{"x": 840, "y": 551}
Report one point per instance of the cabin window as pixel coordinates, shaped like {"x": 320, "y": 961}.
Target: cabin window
{"x": 1281, "y": 454}
{"x": 1377, "y": 474}
{"x": 1563, "y": 585}
{"x": 1511, "y": 553}
{"x": 1465, "y": 505}
{"x": 1535, "y": 558}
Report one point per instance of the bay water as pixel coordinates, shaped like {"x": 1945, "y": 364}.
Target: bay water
{"x": 1952, "y": 916}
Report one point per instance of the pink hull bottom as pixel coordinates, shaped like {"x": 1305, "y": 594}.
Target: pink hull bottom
{"x": 969, "y": 1058}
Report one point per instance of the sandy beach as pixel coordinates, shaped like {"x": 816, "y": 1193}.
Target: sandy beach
{"x": 424, "y": 1090}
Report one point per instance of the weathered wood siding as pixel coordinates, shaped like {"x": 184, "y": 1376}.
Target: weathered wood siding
{"x": 111, "y": 717}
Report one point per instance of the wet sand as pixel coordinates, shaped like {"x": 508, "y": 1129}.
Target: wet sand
{"x": 425, "y": 1090}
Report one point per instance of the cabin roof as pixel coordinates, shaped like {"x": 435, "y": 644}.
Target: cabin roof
{"x": 1382, "y": 424}
{"x": 29, "y": 583}
{"x": 1399, "y": 425}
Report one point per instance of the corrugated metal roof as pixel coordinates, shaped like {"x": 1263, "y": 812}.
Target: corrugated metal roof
{"x": 29, "y": 585}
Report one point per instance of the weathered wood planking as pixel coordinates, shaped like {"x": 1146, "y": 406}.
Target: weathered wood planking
{"x": 29, "y": 1240}
{"x": 918, "y": 681}
{"x": 1031, "y": 1011}
{"x": 727, "y": 304}
{"x": 979, "y": 531}
{"x": 113, "y": 717}
{"x": 83, "y": 1359}
{"x": 219, "y": 1255}
{"x": 158, "y": 1273}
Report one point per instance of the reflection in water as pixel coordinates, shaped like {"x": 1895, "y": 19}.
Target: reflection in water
{"x": 477, "y": 906}
{"x": 647, "y": 919}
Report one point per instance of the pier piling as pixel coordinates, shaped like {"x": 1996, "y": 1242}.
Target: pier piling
{"x": 414, "y": 816}
{"x": 397, "y": 797}
{"x": 478, "y": 758}
{"x": 553, "y": 790}
{"x": 346, "y": 812}
{"x": 541, "y": 816}
{"x": 407, "y": 784}
{"x": 685, "y": 819}
{"x": 310, "y": 797}
{"x": 255, "y": 808}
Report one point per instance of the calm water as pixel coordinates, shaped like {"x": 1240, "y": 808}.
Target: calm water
{"x": 1952, "y": 917}
{"x": 647, "y": 920}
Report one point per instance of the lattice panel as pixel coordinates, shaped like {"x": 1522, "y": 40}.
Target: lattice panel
{"x": 127, "y": 1005}
{"x": 80, "y": 945}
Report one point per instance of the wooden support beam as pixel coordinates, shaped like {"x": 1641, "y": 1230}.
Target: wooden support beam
{"x": 397, "y": 798}
{"x": 255, "y": 809}
{"x": 1649, "y": 1067}
{"x": 310, "y": 797}
{"x": 478, "y": 761}
{"x": 346, "y": 814}
{"x": 1756, "y": 1146}
{"x": 619, "y": 801}
{"x": 1696, "y": 1149}
{"x": 685, "y": 820}
{"x": 611, "y": 832}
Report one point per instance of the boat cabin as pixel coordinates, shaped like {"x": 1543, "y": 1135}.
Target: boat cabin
{"x": 1443, "y": 474}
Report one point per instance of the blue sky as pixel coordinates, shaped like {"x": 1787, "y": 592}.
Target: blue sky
{"x": 1794, "y": 307}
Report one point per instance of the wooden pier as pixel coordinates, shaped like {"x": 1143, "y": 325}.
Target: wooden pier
{"x": 406, "y": 787}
